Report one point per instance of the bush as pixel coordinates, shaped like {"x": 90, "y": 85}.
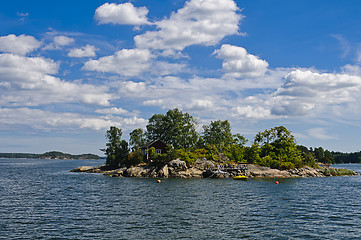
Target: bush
{"x": 156, "y": 158}
{"x": 135, "y": 158}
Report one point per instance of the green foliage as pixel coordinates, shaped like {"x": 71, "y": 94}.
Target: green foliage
{"x": 336, "y": 172}
{"x": 137, "y": 139}
{"x": 235, "y": 152}
{"x": 135, "y": 158}
{"x": 175, "y": 128}
{"x": 218, "y": 133}
{"x": 278, "y": 149}
{"x": 354, "y": 157}
{"x": 252, "y": 154}
{"x": 117, "y": 150}
{"x": 157, "y": 159}
{"x": 319, "y": 154}
{"x": 275, "y": 147}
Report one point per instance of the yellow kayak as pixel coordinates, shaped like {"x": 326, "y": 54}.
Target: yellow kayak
{"x": 240, "y": 177}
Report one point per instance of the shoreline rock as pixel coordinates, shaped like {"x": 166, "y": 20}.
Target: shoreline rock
{"x": 202, "y": 169}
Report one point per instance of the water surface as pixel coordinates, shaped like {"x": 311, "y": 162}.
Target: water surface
{"x": 41, "y": 199}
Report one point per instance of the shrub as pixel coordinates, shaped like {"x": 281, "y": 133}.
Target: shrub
{"x": 136, "y": 157}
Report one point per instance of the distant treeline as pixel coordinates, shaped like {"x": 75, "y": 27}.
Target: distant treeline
{"x": 347, "y": 157}
{"x": 50, "y": 155}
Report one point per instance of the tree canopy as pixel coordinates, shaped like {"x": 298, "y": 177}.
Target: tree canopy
{"x": 174, "y": 128}
{"x": 117, "y": 149}
{"x": 275, "y": 147}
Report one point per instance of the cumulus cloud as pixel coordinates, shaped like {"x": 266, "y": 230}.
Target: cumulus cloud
{"x": 51, "y": 121}
{"x": 59, "y": 42}
{"x": 126, "y": 62}
{"x": 251, "y": 112}
{"x": 125, "y": 14}
{"x": 154, "y": 102}
{"x": 162, "y": 68}
{"x": 113, "y": 110}
{"x": 238, "y": 63}
{"x": 86, "y": 51}
{"x": 201, "y": 104}
{"x": 29, "y": 82}
{"x": 63, "y": 40}
{"x": 198, "y": 22}
{"x": 305, "y": 90}
{"x": 20, "y": 45}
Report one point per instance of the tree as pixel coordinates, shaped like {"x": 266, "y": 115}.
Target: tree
{"x": 279, "y": 144}
{"x": 137, "y": 139}
{"x": 218, "y": 133}
{"x": 319, "y": 153}
{"x": 175, "y": 128}
{"x": 117, "y": 150}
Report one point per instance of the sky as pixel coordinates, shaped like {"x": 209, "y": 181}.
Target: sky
{"x": 71, "y": 69}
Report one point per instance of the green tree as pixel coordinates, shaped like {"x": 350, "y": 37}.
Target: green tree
{"x": 319, "y": 153}
{"x": 175, "y": 128}
{"x": 279, "y": 144}
{"x": 251, "y": 154}
{"x": 137, "y": 138}
{"x": 328, "y": 157}
{"x": 218, "y": 133}
{"x": 117, "y": 150}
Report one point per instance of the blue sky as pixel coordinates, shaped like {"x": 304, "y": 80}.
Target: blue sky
{"x": 71, "y": 69}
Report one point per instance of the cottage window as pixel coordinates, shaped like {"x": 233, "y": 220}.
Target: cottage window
{"x": 158, "y": 151}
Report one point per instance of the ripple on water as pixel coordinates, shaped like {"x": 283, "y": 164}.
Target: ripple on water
{"x": 42, "y": 200}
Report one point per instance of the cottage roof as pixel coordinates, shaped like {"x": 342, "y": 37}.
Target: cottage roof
{"x": 148, "y": 144}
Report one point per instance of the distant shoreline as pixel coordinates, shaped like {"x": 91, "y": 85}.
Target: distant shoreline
{"x": 51, "y": 155}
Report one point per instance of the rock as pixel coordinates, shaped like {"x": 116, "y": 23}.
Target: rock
{"x": 163, "y": 172}
{"x": 83, "y": 169}
{"x": 133, "y": 172}
{"x": 204, "y": 164}
{"x": 177, "y": 165}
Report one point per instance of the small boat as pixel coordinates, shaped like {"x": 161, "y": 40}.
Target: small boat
{"x": 240, "y": 177}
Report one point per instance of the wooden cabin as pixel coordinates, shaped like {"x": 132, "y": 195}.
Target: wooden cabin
{"x": 159, "y": 145}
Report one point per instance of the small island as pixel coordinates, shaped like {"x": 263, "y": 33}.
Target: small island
{"x": 172, "y": 148}
{"x": 50, "y": 155}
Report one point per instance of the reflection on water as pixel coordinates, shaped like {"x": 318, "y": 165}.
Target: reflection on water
{"x": 41, "y": 199}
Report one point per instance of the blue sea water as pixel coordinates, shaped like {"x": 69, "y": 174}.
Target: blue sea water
{"x": 41, "y": 199}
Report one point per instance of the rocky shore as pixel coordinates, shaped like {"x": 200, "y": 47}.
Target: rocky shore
{"x": 203, "y": 168}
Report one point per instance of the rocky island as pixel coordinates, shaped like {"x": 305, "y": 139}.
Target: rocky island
{"x": 203, "y": 168}
{"x": 171, "y": 147}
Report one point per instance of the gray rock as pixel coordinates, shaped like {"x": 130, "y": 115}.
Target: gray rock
{"x": 177, "y": 165}
{"x": 204, "y": 164}
{"x": 83, "y": 169}
{"x": 163, "y": 172}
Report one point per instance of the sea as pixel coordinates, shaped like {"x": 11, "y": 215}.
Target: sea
{"x": 41, "y": 199}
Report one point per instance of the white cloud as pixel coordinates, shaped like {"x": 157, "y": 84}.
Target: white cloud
{"x": 201, "y": 104}
{"x": 59, "y": 42}
{"x": 63, "y": 40}
{"x": 251, "y": 112}
{"x": 162, "y": 68}
{"x": 320, "y": 133}
{"x": 21, "y": 45}
{"x": 85, "y": 51}
{"x": 124, "y": 13}
{"x": 198, "y": 22}
{"x": 305, "y": 90}
{"x": 113, "y": 110}
{"x": 28, "y": 82}
{"x": 134, "y": 87}
{"x": 126, "y": 62}
{"x": 154, "y": 102}
{"x": 238, "y": 63}
{"x": 52, "y": 121}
